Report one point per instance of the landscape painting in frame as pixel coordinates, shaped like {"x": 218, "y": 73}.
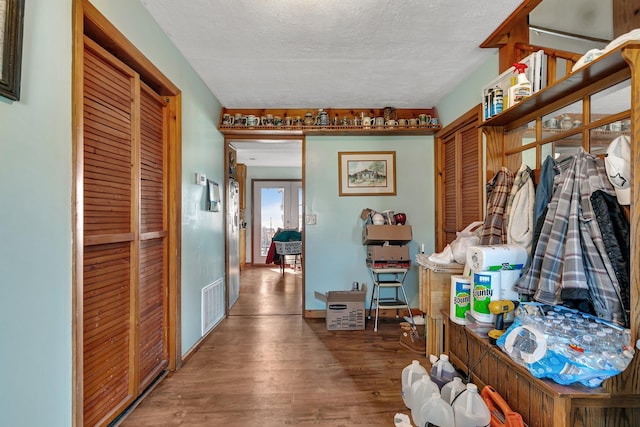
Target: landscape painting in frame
{"x": 365, "y": 173}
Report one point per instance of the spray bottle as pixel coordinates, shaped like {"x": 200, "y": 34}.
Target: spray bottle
{"x": 522, "y": 88}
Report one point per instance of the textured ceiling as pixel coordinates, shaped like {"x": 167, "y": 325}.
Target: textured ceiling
{"x": 348, "y": 53}
{"x": 331, "y": 53}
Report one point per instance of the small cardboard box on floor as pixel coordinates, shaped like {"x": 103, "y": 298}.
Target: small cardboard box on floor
{"x": 345, "y": 309}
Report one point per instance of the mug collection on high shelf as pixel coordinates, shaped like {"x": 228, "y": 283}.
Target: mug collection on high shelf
{"x": 322, "y": 119}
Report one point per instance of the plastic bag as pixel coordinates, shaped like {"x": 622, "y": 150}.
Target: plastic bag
{"x": 537, "y": 343}
{"x": 470, "y": 236}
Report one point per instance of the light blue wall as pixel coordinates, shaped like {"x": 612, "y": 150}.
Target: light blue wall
{"x": 35, "y": 226}
{"x": 36, "y": 215}
{"x": 264, "y": 172}
{"x": 468, "y": 93}
{"x": 334, "y": 254}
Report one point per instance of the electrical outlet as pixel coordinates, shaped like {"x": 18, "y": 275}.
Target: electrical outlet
{"x": 311, "y": 219}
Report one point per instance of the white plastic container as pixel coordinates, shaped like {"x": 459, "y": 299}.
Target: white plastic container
{"x": 411, "y": 373}
{"x": 435, "y": 411}
{"x": 460, "y": 300}
{"x": 451, "y": 389}
{"x": 470, "y": 410}
{"x": 442, "y": 371}
{"x": 421, "y": 391}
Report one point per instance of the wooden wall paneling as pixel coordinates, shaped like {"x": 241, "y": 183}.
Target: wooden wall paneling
{"x": 629, "y": 381}
{"x": 523, "y": 404}
{"x": 494, "y": 151}
{"x": 626, "y": 16}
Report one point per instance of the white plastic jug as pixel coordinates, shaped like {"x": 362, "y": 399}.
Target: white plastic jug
{"x": 442, "y": 371}
{"x": 470, "y": 410}
{"x": 451, "y": 389}
{"x": 436, "y": 412}
{"x": 421, "y": 391}
{"x": 410, "y": 374}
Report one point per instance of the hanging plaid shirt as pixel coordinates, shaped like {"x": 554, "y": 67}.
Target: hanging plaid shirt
{"x": 498, "y": 189}
{"x": 570, "y": 260}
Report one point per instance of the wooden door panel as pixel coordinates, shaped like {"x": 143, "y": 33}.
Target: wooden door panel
{"x": 106, "y": 329}
{"x": 108, "y": 207}
{"x": 471, "y": 163}
{"x": 153, "y": 348}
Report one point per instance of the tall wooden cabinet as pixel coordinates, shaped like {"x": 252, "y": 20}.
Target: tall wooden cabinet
{"x": 602, "y": 100}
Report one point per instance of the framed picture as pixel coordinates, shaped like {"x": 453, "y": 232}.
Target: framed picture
{"x": 366, "y": 173}
{"x": 11, "y": 22}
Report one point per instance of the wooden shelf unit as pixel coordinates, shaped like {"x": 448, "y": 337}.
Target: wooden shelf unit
{"x": 338, "y": 130}
{"x": 541, "y": 403}
{"x": 544, "y": 403}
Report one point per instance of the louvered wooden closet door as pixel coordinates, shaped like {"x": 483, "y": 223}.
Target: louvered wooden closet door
{"x": 461, "y": 166}
{"x": 153, "y": 348}
{"x": 470, "y": 190}
{"x": 124, "y": 261}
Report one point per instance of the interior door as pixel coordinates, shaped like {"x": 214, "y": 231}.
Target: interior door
{"x": 276, "y": 204}
{"x": 124, "y": 228}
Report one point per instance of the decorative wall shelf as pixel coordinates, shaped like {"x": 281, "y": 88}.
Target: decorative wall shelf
{"x": 335, "y": 116}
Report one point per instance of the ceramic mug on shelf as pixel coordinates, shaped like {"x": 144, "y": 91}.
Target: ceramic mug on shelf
{"x": 288, "y": 121}
{"x": 402, "y": 122}
{"x": 227, "y": 119}
{"x": 238, "y": 119}
{"x": 367, "y": 121}
{"x": 391, "y": 123}
{"x": 551, "y": 123}
{"x": 379, "y": 121}
{"x": 424, "y": 119}
{"x": 413, "y": 122}
{"x": 253, "y": 120}
{"x": 434, "y": 121}
{"x": 615, "y": 126}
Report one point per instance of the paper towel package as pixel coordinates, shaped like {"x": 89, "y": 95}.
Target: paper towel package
{"x": 486, "y": 288}
{"x": 460, "y": 299}
{"x": 496, "y": 257}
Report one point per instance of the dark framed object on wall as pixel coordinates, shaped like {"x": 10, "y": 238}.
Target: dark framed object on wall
{"x": 11, "y": 26}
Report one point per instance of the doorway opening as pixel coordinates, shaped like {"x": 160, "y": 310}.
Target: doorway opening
{"x": 277, "y": 205}
{"x": 272, "y": 175}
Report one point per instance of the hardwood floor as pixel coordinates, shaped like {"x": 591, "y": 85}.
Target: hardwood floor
{"x": 265, "y": 365}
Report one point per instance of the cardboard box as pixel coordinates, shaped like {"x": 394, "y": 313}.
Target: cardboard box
{"x": 387, "y": 253}
{"x": 345, "y": 310}
{"x": 378, "y": 234}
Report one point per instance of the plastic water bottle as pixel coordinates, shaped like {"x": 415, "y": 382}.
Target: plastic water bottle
{"x": 435, "y": 412}
{"x": 451, "y": 389}
{"x": 442, "y": 371}
{"x": 421, "y": 391}
{"x": 470, "y": 410}
{"x": 410, "y": 374}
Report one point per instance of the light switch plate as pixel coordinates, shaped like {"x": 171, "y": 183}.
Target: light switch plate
{"x": 311, "y": 219}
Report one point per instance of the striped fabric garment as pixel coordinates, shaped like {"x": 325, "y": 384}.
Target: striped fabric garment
{"x": 498, "y": 189}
